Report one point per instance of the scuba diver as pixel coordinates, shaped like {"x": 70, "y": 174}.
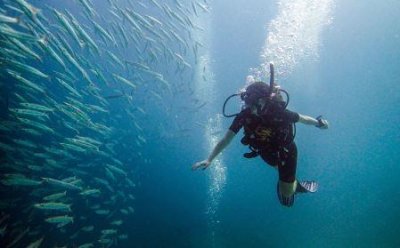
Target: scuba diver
{"x": 269, "y": 132}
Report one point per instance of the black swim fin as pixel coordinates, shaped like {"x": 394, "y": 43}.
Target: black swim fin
{"x": 285, "y": 201}
{"x": 302, "y": 187}
{"x": 307, "y": 187}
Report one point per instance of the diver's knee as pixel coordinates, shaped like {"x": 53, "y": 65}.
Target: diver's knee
{"x": 287, "y": 189}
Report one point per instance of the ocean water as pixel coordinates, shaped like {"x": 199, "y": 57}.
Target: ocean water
{"x": 336, "y": 58}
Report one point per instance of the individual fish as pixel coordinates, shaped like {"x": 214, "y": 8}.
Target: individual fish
{"x": 60, "y": 220}
{"x": 121, "y": 31}
{"x": 10, "y": 32}
{"x": 35, "y": 168}
{"x": 12, "y": 53}
{"x": 173, "y": 15}
{"x": 109, "y": 231}
{"x": 31, "y": 131}
{"x": 130, "y": 183}
{"x": 27, "y": 68}
{"x": 125, "y": 81}
{"x": 114, "y": 13}
{"x": 115, "y": 59}
{"x": 182, "y": 60}
{"x": 37, "y": 125}
{"x": 87, "y": 228}
{"x": 61, "y": 184}
{"x": 28, "y": 9}
{"x": 124, "y": 211}
{"x": 14, "y": 8}
{"x": 19, "y": 180}
{"x": 132, "y": 21}
{"x": 68, "y": 87}
{"x": 73, "y": 147}
{"x": 3, "y": 230}
{"x": 53, "y": 206}
{"x": 69, "y": 179}
{"x": 153, "y": 20}
{"x": 83, "y": 33}
{"x": 178, "y": 38}
{"x": 35, "y": 106}
{"x": 54, "y": 197}
{"x": 44, "y": 44}
{"x": 102, "y": 212}
{"x": 122, "y": 236}
{"x": 88, "y": 8}
{"x": 86, "y": 245}
{"x": 28, "y": 112}
{"x": 155, "y": 3}
{"x": 78, "y": 114}
{"x": 110, "y": 175}
{"x": 103, "y": 32}
{"x": 117, "y": 222}
{"x": 25, "y": 143}
{"x": 90, "y": 140}
{"x": 68, "y": 26}
{"x": 116, "y": 170}
{"x": 204, "y": 7}
{"x": 35, "y": 244}
{"x": 25, "y": 49}
{"x": 9, "y": 19}
{"x": 83, "y": 144}
{"x": 25, "y": 81}
{"x": 104, "y": 241}
{"x": 140, "y": 19}
{"x": 88, "y": 192}
{"x": 139, "y": 66}
{"x": 95, "y": 108}
{"x": 195, "y": 9}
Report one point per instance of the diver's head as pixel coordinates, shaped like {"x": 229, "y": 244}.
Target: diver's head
{"x": 256, "y": 94}
{"x": 259, "y": 98}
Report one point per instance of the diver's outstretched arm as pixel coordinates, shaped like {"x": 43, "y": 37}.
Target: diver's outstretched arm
{"x": 224, "y": 142}
{"x": 308, "y": 120}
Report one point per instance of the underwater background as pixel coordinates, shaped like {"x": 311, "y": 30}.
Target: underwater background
{"x": 106, "y": 105}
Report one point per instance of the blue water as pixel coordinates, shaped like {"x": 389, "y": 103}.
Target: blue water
{"x": 353, "y": 83}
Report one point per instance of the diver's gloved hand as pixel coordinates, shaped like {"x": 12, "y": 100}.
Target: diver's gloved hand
{"x": 322, "y": 124}
{"x": 202, "y": 164}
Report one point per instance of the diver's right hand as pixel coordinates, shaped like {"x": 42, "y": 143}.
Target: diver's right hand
{"x": 322, "y": 123}
{"x": 202, "y": 164}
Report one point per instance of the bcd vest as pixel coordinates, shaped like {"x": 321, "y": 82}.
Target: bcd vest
{"x": 269, "y": 132}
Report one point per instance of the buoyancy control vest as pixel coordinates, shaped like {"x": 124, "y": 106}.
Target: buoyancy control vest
{"x": 269, "y": 131}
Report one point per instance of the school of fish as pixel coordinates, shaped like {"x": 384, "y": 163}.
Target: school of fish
{"x": 73, "y": 75}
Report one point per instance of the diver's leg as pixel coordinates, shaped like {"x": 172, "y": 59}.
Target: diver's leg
{"x": 288, "y": 165}
{"x": 287, "y": 184}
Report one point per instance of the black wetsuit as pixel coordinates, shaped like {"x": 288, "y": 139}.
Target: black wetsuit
{"x": 272, "y": 137}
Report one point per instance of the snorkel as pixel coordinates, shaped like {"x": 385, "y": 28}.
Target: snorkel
{"x": 276, "y": 89}
{"x": 274, "y": 94}
{"x": 271, "y": 77}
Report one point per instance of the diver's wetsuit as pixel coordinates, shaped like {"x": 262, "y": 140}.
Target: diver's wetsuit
{"x": 272, "y": 137}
